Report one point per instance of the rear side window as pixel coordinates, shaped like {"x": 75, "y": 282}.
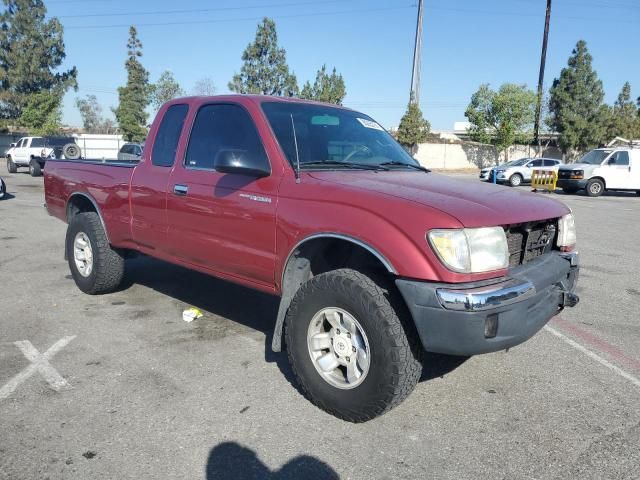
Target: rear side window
{"x": 620, "y": 158}
{"x": 550, "y": 163}
{"x": 37, "y": 142}
{"x": 219, "y": 128}
{"x": 166, "y": 141}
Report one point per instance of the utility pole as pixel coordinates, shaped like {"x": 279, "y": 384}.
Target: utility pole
{"x": 543, "y": 58}
{"x": 414, "y": 94}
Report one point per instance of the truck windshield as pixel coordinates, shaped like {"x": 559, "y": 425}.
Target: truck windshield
{"x": 594, "y": 157}
{"x": 327, "y": 137}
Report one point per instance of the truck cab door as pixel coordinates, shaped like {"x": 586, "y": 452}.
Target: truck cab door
{"x": 634, "y": 170}
{"x": 224, "y": 222}
{"x": 617, "y": 171}
{"x": 150, "y": 179}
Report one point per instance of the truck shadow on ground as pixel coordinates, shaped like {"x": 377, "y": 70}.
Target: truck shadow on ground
{"x": 231, "y": 461}
{"x": 240, "y": 305}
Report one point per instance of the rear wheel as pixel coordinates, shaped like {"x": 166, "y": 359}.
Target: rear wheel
{"x": 34, "y": 168}
{"x": 515, "y": 180}
{"x": 350, "y": 345}
{"x": 11, "y": 167}
{"x": 595, "y": 187}
{"x": 95, "y": 266}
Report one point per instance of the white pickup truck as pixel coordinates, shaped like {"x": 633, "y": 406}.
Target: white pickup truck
{"x": 33, "y": 152}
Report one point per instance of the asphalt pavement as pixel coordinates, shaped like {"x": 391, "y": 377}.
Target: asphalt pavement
{"x": 119, "y": 386}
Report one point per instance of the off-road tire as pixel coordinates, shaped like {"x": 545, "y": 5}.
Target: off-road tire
{"x": 395, "y": 366}
{"x": 595, "y": 187}
{"x": 108, "y": 263}
{"x": 11, "y": 167}
{"x": 515, "y": 180}
{"x": 34, "y": 168}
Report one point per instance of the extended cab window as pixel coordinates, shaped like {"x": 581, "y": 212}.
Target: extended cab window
{"x": 166, "y": 142}
{"x": 220, "y": 128}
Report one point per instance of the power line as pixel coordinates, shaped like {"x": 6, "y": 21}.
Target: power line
{"x": 229, "y": 20}
{"x": 203, "y": 10}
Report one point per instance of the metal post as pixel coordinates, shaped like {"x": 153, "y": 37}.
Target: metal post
{"x": 543, "y": 58}
{"x": 414, "y": 94}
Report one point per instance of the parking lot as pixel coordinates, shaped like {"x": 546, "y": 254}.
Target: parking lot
{"x": 119, "y": 386}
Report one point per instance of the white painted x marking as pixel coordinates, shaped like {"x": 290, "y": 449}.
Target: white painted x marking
{"x": 39, "y": 363}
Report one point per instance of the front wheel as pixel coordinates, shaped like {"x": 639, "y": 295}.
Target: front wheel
{"x": 34, "y": 168}
{"x": 595, "y": 187}
{"x": 350, "y": 345}
{"x": 11, "y": 167}
{"x": 95, "y": 266}
{"x": 515, "y": 180}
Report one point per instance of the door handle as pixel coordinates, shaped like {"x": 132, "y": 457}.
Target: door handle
{"x": 180, "y": 190}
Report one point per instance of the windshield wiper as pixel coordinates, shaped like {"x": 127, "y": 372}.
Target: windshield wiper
{"x": 358, "y": 166}
{"x": 411, "y": 165}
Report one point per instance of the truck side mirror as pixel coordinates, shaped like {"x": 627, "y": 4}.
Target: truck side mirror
{"x": 611, "y": 161}
{"x": 11, "y": 145}
{"x": 236, "y": 161}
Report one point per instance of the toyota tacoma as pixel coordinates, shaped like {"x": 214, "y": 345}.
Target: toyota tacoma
{"x": 375, "y": 258}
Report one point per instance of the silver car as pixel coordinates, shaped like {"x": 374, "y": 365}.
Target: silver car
{"x": 520, "y": 171}
{"x": 130, "y": 151}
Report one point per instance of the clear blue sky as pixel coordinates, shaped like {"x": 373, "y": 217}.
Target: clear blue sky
{"x": 370, "y": 42}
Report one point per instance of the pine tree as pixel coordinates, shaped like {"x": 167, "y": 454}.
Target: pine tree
{"x": 31, "y": 51}
{"x": 413, "y": 128}
{"x": 576, "y": 103}
{"x": 326, "y": 88}
{"x": 265, "y": 70}
{"x": 134, "y": 97}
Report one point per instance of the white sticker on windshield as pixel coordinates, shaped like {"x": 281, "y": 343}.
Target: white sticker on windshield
{"x": 370, "y": 124}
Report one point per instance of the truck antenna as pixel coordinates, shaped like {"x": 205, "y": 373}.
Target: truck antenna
{"x": 295, "y": 143}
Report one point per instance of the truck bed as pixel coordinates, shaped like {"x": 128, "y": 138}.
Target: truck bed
{"x": 105, "y": 182}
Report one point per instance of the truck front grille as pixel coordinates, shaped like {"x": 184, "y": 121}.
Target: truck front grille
{"x": 527, "y": 241}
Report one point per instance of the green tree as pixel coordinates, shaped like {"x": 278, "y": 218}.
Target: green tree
{"x": 575, "y": 103}
{"x": 265, "y": 70}
{"x": 326, "y": 88}
{"x": 503, "y": 117}
{"x": 91, "y": 113}
{"x": 413, "y": 128}
{"x": 165, "y": 89}
{"x": 622, "y": 119}
{"x": 92, "y": 119}
{"x": 31, "y": 51}
{"x": 41, "y": 112}
{"x": 134, "y": 97}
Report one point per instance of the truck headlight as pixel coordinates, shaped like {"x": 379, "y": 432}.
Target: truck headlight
{"x": 471, "y": 250}
{"x": 566, "y": 232}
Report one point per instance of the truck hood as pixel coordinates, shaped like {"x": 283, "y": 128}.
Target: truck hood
{"x": 577, "y": 166}
{"x": 473, "y": 204}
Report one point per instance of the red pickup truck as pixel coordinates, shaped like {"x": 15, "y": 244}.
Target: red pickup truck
{"x": 375, "y": 258}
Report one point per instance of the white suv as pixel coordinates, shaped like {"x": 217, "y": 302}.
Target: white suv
{"x": 33, "y": 152}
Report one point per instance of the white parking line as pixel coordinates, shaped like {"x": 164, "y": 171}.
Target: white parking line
{"x": 594, "y": 356}
{"x": 39, "y": 363}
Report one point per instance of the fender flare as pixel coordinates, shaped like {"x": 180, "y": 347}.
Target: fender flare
{"x": 95, "y": 206}
{"x": 295, "y": 273}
